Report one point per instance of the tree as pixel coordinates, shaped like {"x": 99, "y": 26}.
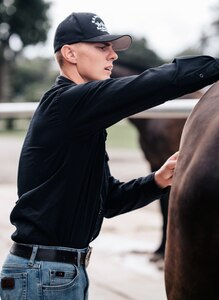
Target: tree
{"x": 32, "y": 77}
{"x": 22, "y": 23}
{"x": 136, "y": 59}
{"x": 209, "y": 37}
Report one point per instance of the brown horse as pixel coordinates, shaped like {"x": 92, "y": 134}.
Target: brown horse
{"x": 192, "y": 250}
{"x": 159, "y": 139}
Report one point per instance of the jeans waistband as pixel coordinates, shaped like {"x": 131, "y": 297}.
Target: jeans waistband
{"x": 52, "y": 253}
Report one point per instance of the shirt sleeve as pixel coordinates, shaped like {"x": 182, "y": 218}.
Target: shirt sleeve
{"x": 86, "y": 108}
{"x": 124, "y": 197}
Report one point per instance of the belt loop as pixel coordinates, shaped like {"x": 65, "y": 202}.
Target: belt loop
{"x": 33, "y": 256}
{"x": 78, "y": 258}
{"x": 87, "y": 257}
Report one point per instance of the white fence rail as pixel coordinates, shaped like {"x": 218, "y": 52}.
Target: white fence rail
{"x": 178, "y": 108}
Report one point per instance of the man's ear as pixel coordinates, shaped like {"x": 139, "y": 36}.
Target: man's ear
{"x": 69, "y": 54}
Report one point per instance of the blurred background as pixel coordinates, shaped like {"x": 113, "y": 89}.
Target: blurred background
{"x": 134, "y": 243}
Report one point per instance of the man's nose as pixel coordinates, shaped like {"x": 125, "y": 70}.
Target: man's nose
{"x": 113, "y": 55}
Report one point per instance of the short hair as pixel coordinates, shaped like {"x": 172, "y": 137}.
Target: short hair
{"x": 59, "y": 58}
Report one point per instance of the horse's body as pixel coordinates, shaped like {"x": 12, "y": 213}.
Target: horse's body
{"x": 159, "y": 139}
{"x": 192, "y": 251}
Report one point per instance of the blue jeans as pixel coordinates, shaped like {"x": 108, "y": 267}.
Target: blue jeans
{"x": 28, "y": 279}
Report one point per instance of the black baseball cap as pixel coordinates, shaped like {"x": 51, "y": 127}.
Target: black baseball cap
{"x": 87, "y": 27}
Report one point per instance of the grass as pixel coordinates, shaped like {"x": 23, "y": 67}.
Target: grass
{"x": 12, "y": 133}
{"x": 19, "y": 131}
{"x": 121, "y": 135}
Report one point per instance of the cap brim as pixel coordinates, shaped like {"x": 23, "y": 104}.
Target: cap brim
{"x": 120, "y": 42}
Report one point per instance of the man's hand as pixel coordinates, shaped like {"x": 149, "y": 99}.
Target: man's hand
{"x": 163, "y": 177}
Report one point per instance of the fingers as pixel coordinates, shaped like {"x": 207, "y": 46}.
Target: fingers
{"x": 172, "y": 161}
{"x": 168, "y": 171}
{"x": 170, "y": 168}
{"x": 171, "y": 164}
{"x": 164, "y": 175}
{"x": 170, "y": 181}
{"x": 174, "y": 156}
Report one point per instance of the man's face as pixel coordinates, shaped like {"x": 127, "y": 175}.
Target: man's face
{"x": 94, "y": 61}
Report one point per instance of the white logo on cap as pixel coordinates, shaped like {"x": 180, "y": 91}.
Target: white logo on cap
{"x": 99, "y": 23}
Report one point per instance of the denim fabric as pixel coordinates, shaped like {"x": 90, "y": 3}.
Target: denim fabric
{"x": 42, "y": 280}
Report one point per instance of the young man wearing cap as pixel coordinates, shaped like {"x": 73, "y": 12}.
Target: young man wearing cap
{"x": 65, "y": 188}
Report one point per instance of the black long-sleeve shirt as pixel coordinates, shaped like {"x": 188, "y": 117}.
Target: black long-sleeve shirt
{"x": 65, "y": 187}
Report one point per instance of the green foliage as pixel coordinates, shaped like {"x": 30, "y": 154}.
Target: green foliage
{"x": 122, "y": 135}
{"x": 25, "y": 22}
{"x": 139, "y": 56}
{"x": 209, "y": 35}
{"x": 31, "y": 78}
{"x": 27, "y": 19}
{"x": 190, "y": 51}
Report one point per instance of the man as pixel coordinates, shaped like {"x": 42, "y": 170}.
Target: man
{"x": 65, "y": 187}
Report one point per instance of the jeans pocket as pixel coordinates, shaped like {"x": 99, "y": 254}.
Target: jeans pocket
{"x": 61, "y": 285}
{"x": 13, "y": 285}
{"x": 62, "y": 278}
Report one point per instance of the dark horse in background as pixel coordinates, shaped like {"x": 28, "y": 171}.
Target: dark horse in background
{"x": 159, "y": 139}
{"x": 192, "y": 251}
